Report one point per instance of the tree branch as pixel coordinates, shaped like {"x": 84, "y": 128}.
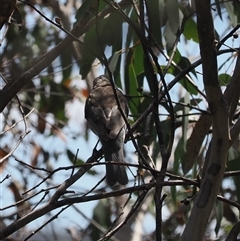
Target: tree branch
{"x": 197, "y": 222}
{"x": 13, "y": 87}
{"x": 233, "y": 234}
{"x": 54, "y": 203}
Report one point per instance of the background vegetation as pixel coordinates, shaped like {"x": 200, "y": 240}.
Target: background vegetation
{"x": 178, "y": 64}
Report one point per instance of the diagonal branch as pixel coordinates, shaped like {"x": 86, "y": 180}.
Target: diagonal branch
{"x": 54, "y": 203}
{"x": 233, "y": 234}
{"x": 12, "y": 88}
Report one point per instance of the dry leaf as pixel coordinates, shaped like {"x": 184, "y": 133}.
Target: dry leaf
{"x": 194, "y": 143}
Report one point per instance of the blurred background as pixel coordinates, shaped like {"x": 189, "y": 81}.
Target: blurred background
{"x": 43, "y": 128}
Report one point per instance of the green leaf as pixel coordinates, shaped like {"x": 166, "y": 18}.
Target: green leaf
{"x": 93, "y": 48}
{"x": 195, "y": 143}
{"x": 174, "y": 195}
{"x": 230, "y": 9}
{"x": 236, "y": 6}
{"x": 66, "y": 62}
{"x": 173, "y": 15}
{"x": 218, "y": 6}
{"x": 170, "y": 38}
{"x": 98, "y": 38}
{"x": 149, "y": 75}
{"x": 83, "y": 9}
{"x": 114, "y": 61}
{"x": 72, "y": 156}
{"x": 185, "y": 120}
{"x": 155, "y": 20}
{"x": 78, "y": 161}
{"x": 190, "y": 30}
{"x": 223, "y": 65}
{"x": 234, "y": 165}
{"x": 224, "y": 79}
{"x": 117, "y": 73}
{"x": 183, "y": 62}
{"x": 156, "y": 148}
{"x": 112, "y": 30}
{"x": 192, "y": 102}
{"x": 114, "y": 64}
{"x": 131, "y": 82}
{"x": 179, "y": 155}
{"x": 102, "y": 216}
{"x": 166, "y": 130}
{"x": 138, "y": 59}
{"x": 162, "y": 12}
{"x": 189, "y": 86}
{"x": 131, "y": 37}
{"x": 219, "y": 215}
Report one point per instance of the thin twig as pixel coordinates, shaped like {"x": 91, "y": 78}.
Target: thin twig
{"x": 15, "y": 147}
{"x": 49, "y": 221}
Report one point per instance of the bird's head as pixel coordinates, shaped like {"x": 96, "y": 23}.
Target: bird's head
{"x": 101, "y": 81}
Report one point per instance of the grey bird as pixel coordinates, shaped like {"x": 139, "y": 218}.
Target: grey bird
{"x": 105, "y": 120}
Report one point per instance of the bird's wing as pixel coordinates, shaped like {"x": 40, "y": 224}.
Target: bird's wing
{"x": 115, "y": 122}
{"x": 7, "y": 8}
{"x": 102, "y": 113}
{"x": 96, "y": 119}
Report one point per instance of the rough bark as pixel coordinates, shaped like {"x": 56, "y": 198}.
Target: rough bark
{"x": 198, "y": 220}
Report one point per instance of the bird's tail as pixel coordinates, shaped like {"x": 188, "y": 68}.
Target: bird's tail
{"x": 115, "y": 173}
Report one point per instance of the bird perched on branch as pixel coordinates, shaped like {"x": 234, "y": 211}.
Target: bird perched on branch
{"x": 6, "y": 10}
{"x": 106, "y": 121}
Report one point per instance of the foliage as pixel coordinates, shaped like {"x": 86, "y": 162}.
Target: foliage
{"x": 183, "y": 124}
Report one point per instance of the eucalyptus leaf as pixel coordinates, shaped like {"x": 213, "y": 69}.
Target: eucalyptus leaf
{"x": 172, "y": 10}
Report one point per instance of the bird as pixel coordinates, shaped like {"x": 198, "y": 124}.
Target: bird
{"x": 106, "y": 121}
{"x": 6, "y": 10}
